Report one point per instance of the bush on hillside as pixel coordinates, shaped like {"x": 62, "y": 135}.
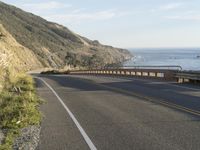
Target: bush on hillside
{"x": 55, "y": 72}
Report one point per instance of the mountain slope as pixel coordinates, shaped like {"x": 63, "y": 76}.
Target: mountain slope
{"x": 14, "y": 56}
{"x": 55, "y": 45}
{"x": 13, "y": 53}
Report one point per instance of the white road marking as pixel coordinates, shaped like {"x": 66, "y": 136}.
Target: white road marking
{"x": 83, "y": 133}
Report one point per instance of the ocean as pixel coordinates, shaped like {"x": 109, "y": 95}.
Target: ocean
{"x": 187, "y": 58}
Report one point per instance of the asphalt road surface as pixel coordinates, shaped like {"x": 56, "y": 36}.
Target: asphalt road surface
{"x": 112, "y": 113}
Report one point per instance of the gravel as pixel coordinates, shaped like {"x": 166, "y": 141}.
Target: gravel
{"x": 29, "y": 138}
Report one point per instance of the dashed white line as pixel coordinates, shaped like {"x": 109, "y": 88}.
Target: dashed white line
{"x": 83, "y": 133}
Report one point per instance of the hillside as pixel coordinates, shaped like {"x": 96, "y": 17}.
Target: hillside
{"x": 14, "y": 56}
{"x": 51, "y": 44}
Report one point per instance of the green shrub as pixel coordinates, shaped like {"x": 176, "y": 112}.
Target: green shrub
{"x": 55, "y": 72}
{"x": 18, "y": 107}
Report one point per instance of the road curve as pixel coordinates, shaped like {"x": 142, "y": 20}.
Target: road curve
{"x": 118, "y": 114}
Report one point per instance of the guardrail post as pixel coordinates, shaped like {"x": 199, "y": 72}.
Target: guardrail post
{"x": 169, "y": 75}
{"x": 156, "y": 74}
{"x": 132, "y": 73}
{"x": 128, "y": 73}
{"x": 180, "y": 80}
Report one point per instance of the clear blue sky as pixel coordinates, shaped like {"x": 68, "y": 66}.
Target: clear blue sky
{"x": 125, "y": 23}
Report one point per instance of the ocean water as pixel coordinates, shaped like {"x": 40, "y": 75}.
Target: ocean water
{"x": 188, "y": 58}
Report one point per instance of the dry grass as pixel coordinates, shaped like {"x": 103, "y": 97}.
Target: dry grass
{"x": 18, "y": 107}
{"x": 15, "y": 55}
{"x": 53, "y": 71}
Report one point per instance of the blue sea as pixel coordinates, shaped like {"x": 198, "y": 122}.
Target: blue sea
{"x": 187, "y": 58}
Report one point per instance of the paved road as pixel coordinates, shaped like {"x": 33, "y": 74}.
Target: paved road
{"x": 106, "y": 113}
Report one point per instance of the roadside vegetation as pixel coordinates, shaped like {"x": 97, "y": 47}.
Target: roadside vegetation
{"x": 54, "y": 71}
{"x": 18, "y": 107}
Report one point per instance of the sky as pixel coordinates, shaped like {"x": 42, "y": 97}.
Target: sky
{"x": 124, "y": 23}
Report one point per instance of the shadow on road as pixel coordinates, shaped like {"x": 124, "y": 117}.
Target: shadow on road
{"x": 155, "y": 90}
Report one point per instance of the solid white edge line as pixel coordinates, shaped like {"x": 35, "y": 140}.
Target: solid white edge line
{"x": 83, "y": 133}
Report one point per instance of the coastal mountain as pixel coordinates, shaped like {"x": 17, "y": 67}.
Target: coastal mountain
{"x": 32, "y": 42}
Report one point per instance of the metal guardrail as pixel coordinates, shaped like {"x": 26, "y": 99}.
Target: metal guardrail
{"x": 174, "y": 73}
{"x": 166, "y": 74}
{"x": 179, "y": 68}
{"x": 188, "y": 76}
